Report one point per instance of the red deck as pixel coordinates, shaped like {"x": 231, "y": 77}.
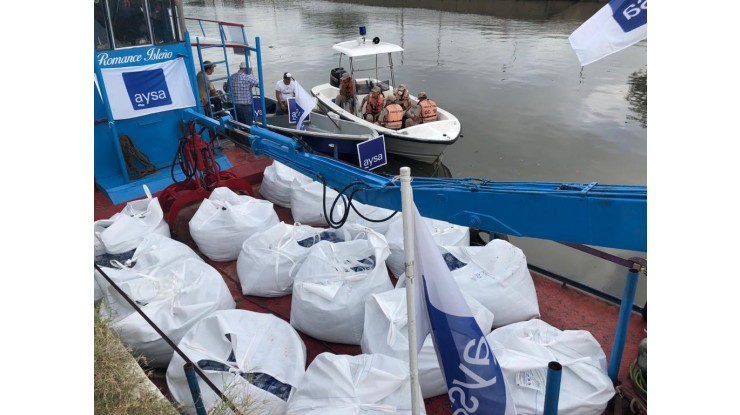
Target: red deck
{"x": 563, "y": 307}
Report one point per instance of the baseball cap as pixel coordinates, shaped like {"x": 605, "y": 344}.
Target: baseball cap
{"x": 287, "y": 75}
{"x": 421, "y": 95}
{"x": 376, "y": 89}
{"x": 242, "y": 65}
{"x": 345, "y": 75}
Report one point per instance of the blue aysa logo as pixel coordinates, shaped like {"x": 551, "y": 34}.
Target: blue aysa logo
{"x": 629, "y": 14}
{"x": 147, "y": 89}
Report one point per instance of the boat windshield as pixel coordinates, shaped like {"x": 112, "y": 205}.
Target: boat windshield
{"x": 126, "y": 23}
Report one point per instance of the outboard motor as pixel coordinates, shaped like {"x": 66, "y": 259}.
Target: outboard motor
{"x": 336, "y": 75}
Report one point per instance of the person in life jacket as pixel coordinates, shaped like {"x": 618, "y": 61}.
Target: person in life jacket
{"x": 392, "y": 115}
{"x": 425, "y": 111}
{"x": 373, "y": 104}
{"x": 402, "y": 97}
{"x": 346, "y": 95}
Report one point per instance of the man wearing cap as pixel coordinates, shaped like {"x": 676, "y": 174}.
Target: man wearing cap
{"x": 425, "y": 111}
{"x": 392, "y": 115}
{"x": 346, "y": 95}
{"x": 241, "y": 86}
{"x": 202, "y": 78}
{"x": 374, "y": 105}
{"x": 284, "y": 89}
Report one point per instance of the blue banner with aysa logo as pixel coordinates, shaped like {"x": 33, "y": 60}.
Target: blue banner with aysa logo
{"x": 134, "y": 91}
{"x": 295, "y": 112}
{"x": 257, "y": 109}
{"x": 371, "y": 153}
{"x": 147, "y": 89}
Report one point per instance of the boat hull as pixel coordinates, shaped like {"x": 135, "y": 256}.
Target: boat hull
{"x": 424, "y": 142}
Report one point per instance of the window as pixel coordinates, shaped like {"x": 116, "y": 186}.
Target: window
{"x": 134, "y": 23}
{"x": 102, "y": 40}
{"x": 161, "y": 19}
{"x": 130, "y": 27}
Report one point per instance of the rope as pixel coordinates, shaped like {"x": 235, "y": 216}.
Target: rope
{"x": 639, "y": 382}
{"x": 132, "y": 155}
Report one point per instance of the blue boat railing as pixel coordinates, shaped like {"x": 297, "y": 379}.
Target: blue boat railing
{"x": 230, "y": 36}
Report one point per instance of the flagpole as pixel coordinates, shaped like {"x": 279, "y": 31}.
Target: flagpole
{"x": 407, "y": 205}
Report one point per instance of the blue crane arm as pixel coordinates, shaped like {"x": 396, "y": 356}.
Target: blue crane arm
{"x": 612, "y": 216}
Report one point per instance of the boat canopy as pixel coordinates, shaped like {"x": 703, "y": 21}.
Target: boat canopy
{"x": 353, "y": 48}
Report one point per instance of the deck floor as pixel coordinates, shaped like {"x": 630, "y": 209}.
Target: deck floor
{"x": 564, "y": 307}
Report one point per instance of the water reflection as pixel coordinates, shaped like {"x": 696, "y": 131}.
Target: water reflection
{"x": 518, "y": 9}
{"x": 637, "y": 97}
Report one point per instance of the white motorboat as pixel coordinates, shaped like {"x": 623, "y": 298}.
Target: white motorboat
{"x": 425, "y": 142}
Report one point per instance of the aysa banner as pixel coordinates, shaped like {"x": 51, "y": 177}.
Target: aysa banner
{"x": 619, "y": 24}
{"x": 140, "y": 90}
{"x": 475, "y": 381}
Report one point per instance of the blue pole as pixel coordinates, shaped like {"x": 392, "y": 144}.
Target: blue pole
{"x": 194, "y": 388}
{"x": 261, "y": 79}
{"x": 625, "y": 310}
{"x": 552, "y": 390}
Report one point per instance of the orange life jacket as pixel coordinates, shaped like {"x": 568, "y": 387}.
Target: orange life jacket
{"x": 374, "y": 105}
{"x": 346, "y": 87}
{"x": 428, "y": 110}
{"x": 394, "y": 118}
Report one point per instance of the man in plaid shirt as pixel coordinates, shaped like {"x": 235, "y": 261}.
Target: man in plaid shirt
{"x": 242, "y": 84}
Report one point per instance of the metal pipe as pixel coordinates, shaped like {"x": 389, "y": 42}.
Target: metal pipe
{"x": 408, "y": 249}
{"x": 552, "y": 390}
{"x": 194, "y": 388}
{"x": 623, "y": 322}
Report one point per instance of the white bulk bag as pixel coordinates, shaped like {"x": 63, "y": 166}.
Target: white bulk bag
{"x": 308, "y": 202}
{"x": 124, "y": 230}
{"x": 386, "y": 332}
{"x": 98, "y": 227}
{"x": 524, "y": 350}
{"x": 269, "y": 260}
{"x": 350, "y": 385}
{"x": 498, "y": 277}
{"x": 98, "y": 291}
{"x": 174, "y": 296}
{"x": 276, "y": 183}
{"x": 443, "y": 233}
{"x": 225, "y": 220}
{"x": 255, "y": 359}
{"x": 154, "y": 250}
{"x": 331, "y": 286}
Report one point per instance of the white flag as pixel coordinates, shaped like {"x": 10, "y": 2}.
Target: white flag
{"x": 475, "y": 382}
{"x": 306, "y": 104}
{"x": 618, "y": 25}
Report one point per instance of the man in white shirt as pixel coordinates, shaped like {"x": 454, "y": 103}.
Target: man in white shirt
{"x": 283, "y": 90}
